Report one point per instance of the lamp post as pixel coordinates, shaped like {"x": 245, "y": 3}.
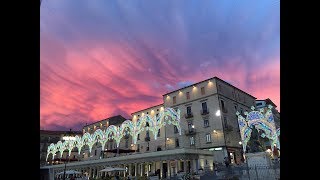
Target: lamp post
{"x": 67, "y": 137}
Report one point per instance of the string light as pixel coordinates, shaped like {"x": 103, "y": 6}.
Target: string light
{"x": 260, "y": 121}
{"x": 117, "y": 133}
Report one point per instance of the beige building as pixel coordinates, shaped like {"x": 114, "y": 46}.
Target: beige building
{"x": 209, "y": 133}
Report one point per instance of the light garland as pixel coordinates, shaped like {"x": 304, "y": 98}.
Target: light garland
{"x": 261, "y": 121}
{"x": 117, "y": 133}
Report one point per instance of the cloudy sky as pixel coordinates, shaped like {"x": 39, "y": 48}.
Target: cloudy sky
{"x": 103, "y": 58}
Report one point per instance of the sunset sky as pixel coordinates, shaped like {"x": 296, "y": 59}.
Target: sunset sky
{"x": 104, "y": 57}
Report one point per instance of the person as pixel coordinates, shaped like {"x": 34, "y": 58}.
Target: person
{"x": 226, "y": 161}
{"x": 72, "y": 177}
{"x": 117, "y": 177}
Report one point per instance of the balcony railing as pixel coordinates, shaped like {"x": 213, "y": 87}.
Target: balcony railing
{"x": 188, "y": 115}
{"x": 190, "y": 131}
{"x": 204, "y": 111}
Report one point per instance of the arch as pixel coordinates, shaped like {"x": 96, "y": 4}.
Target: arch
{"x": 260, "y": 121}
{"x": 167, "y": 116}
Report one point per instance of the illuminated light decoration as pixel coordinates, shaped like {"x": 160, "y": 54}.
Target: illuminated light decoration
{"x": 260, "y": 121}
{"x": 166, "y": 116}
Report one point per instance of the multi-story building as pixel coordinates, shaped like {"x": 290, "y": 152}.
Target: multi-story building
{"x": 46, "y": 138}
{"x": 209, "y": 134}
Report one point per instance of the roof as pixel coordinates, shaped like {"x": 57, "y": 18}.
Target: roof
{"x": 48, "y": 132}
{"x": 112, "y": 120}
{"x": 268, "y": 101}
{"x": 207, "y": 80}
{"x": 148, "y": 108}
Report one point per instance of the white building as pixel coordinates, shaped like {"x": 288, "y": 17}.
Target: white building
{"x": 209, "y": 133}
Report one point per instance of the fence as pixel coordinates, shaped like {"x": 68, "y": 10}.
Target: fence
{"x": 258, "y": 172}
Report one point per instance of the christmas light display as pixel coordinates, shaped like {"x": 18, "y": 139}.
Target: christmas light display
{"x": 128, "y": 127}
{"x": 260, "y": 121}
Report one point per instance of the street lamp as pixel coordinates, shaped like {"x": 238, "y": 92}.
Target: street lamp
{"x": 218, "y": 113}
{"x": 67, "y": 137}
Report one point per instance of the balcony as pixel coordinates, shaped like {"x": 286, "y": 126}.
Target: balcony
{"x": 188, "y": 115}
{"x": 204, "y": 111}
{"x": 147, "y": 138}
{"x": 190, "y": 131}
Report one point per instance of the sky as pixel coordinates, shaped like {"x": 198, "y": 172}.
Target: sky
{"x": 103, "y": 58}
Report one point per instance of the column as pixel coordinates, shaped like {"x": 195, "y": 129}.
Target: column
{"x": 135, "y": 169}
{"x": 185, "y": 166}
{"x": 129, "y": 170}
{"x": 176, "y": 169}
{"x": 141, "y": 169}
{"x": 168, "y": 169}
{"x": 161, "y": 169}
{"x": 196, "y": 165}
{"x": 147, "y": 169}
{"x": 154, "y": 167}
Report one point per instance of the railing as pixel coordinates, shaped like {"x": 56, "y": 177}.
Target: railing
{"x": 271, "y": 172}
{"x": 204, "y": 112}
{"x": 188, "y": 115}
{"x": 190, "y": 131}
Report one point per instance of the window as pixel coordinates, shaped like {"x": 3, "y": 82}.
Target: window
{"x": 222, "y": 106}
{"x": 189, "y": 110}
{"x": 241, "y": 110}
{"x": 236, "y": 107}
{"x": 206, "y": 122}
{"x": 174, "y": 99}
{"x": 191, "y": 140}
{"x": 208, "y": 138}
{"x": 204, "y": 107}
{"x": 158, "y": 133}
{"x": 138, "y": 147}
{"x": 147, "y": 134}
{"x": 157, "y": 109}
{"x": 148, "y": 147}
{"x": 177, "y": 142}
{"x": 95, "y": 152}
{"x": 259, "y": 104}
{"x": 74, "y": 156}
{"x": 157, "y": 114}
{"x": 111, "y": 145}
{"x": 202, "y": 91}
{"x": 147, "y": 112}
{"x": 225, "y": 121}
{"x": 188, "y": 95}
{"x": 138, "y": 115}
{"x": 175, "y": 129}
{"x": 138, "y": 137}
{"x": 147, "y": 124}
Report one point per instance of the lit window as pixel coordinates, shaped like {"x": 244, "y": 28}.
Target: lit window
{"x": 191, "y": 140}
{"x": 208, "y": 138}
{"x": 174, "y": 99}
{"x": 188, "y": 95}
{"x": 202, "y": 91}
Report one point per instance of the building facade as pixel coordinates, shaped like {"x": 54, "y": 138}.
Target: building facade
{"x": 210, "y": 133}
